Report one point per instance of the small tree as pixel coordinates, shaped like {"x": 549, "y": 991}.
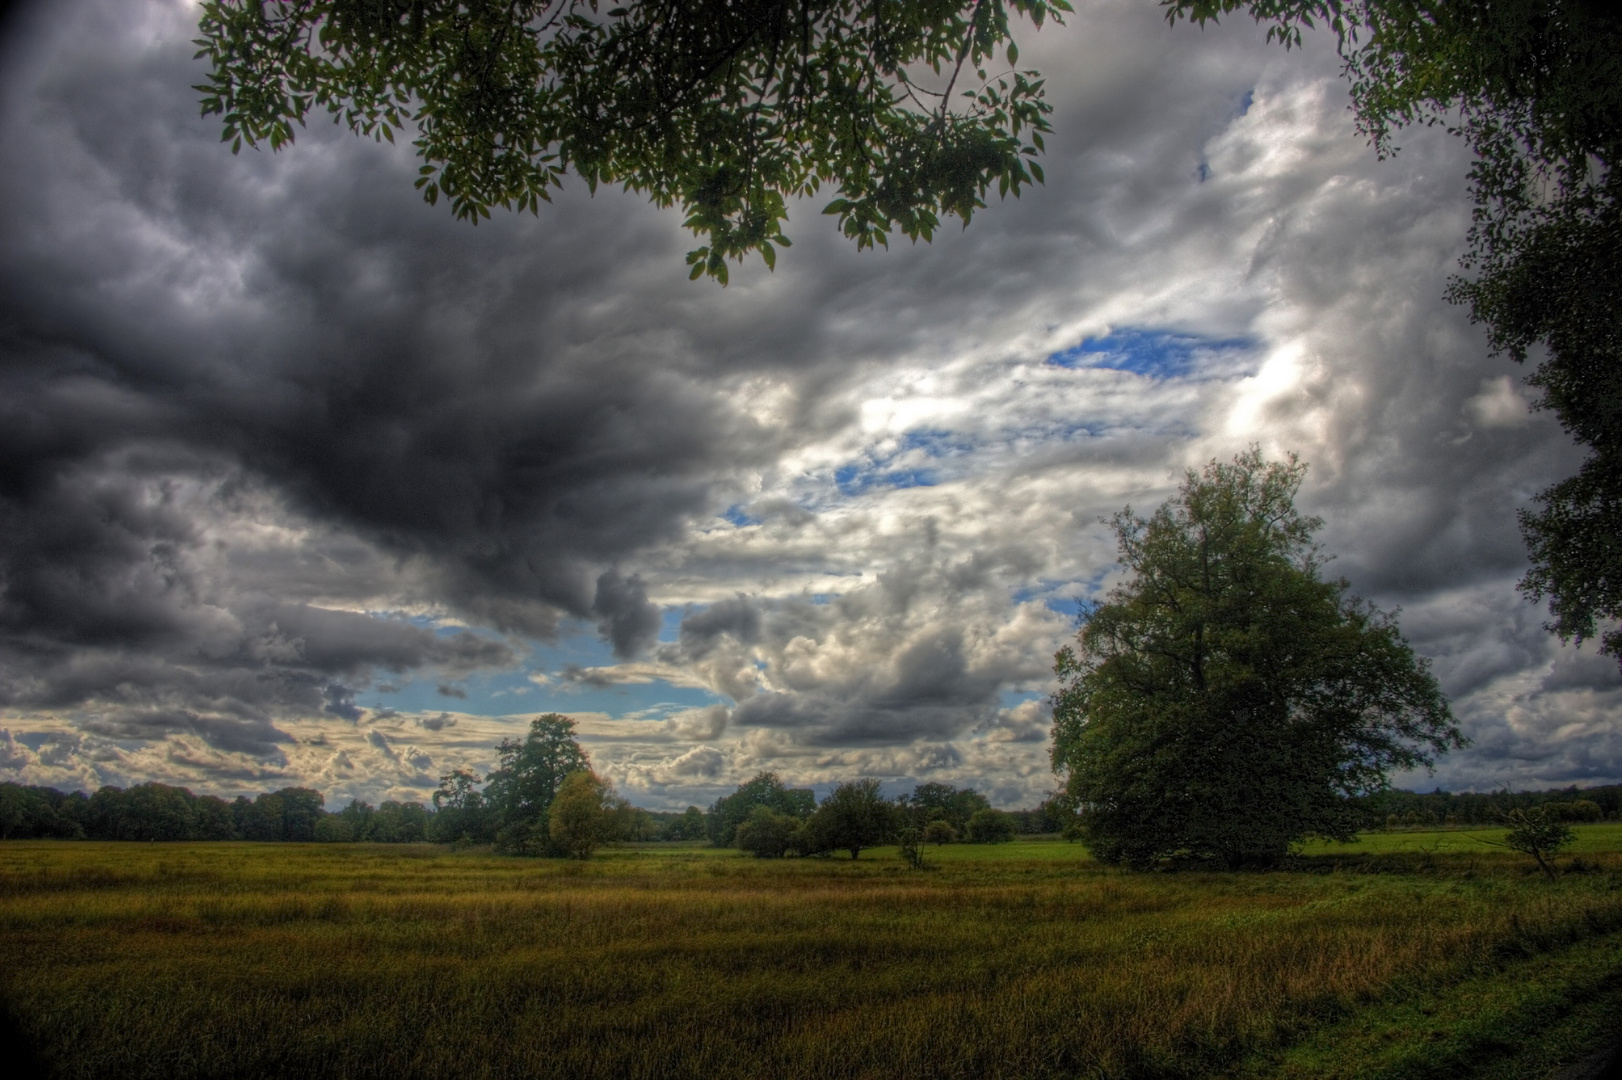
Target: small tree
{"x": 910, "y": 838}
{"x": 853, "y": 817}
{"x": 1538, "y": 833}
{"x": 581, "y": 816}
{"x": 766, "y": 833}
{"x": 939, "y": 831}
{"x": 990, "y": 826}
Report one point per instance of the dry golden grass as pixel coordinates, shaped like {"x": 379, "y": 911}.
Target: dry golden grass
{"x": 223, "y": 960}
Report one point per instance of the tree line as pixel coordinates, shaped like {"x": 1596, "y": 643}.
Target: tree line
{"x": 1394, "y": 809}
{"x": 162, "y": 812}
{"x": 762, "y": 816}
{"x": 541, "y": 799}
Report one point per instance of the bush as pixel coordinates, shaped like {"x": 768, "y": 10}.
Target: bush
{"x": 766, "y": 833}
{"x": 990, "y": 827}
{"x": 1577, "y": 810}
{"x": 579, "y": 818}
{"x": 939, "y": 832}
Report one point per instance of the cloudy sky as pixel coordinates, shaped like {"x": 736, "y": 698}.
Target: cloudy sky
{"x": 304, "y": 482}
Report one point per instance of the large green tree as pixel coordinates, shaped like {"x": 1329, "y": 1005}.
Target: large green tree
{"x": 520, "y": 790}
{"x": 909, "y": 109}
{"x": 1535, "y": 88}
{"x": 1225, "y": 700}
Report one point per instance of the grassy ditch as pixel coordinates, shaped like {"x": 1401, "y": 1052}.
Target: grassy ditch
{"x": 1021, "y": 960}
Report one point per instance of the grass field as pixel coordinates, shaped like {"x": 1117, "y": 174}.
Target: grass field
{"x": 1406, "y": 955}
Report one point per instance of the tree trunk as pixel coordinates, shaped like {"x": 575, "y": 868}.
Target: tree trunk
{"x": 1547, "y": 869}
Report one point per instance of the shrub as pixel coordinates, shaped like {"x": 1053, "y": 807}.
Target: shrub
{"x": 579, "y": 818}
{"x": 766, "y": 832}
{"x": 990, "y": 827}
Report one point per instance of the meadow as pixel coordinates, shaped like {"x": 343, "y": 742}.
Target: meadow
{"x": 1407, "y": 955}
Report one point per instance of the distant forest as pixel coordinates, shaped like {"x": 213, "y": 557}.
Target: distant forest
{"x": 161, "y": 812}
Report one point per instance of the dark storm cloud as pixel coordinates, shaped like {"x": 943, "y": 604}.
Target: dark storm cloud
{"x": 435, "y": 409}
{"x": 628, "y": 620}
{"x": 738, "y": 616}
{"x": 231, "y": 733}
{"x": 826, "y": 721}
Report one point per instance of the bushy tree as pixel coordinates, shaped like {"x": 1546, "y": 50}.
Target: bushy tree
{"x": 689, "y": 825}
{"x": 729, "y": 109}
{"x": 1226, "y": 701}
{"x": 38, "y": 812}
{"x": 1578, "y": 810}
{"x": 990, "y": 826}
{"x": 460, "y": 812}
{"x": 396, "y": 822}
{"x": 766, "y": 790}
{"x": 928, "y": 802}
{"x": 301, "y": 809}
{"x": 939, "y": 831}
{"x": 854, "y": 816}
{"x": 262, "y": 818}
{"x": 581, "y": 816}
{"x": 357, "y": 818}
{"x": 767, "y": 833}
{"x": 527, "y": 778}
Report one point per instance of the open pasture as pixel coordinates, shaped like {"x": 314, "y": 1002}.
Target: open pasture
{"x": 1399, "y": 956}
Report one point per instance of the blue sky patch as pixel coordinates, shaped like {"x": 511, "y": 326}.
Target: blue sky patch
{"x": 737, "y": 515}
{"x": 1152, "y": 353}
{"x": 498, "y": 693}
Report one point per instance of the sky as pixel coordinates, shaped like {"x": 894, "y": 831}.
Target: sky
{"x": 304, "y": 482}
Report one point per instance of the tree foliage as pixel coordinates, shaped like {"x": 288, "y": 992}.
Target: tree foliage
{"x": 582, "y": 814}
{"x": 528, "y": 774}
{"x": 460, "y": 811}
{"x": 730, "y": 108}
{"x": 942, "y": 802}
{"x": 990, "y": 826}
{"x": 1539, "y": 833}
{"x": 1226, "y": 701}
{"x": 853, "y": 816}
{"x": 766, "y": 789}
{"x": 1535, "y": 88}
{"x": 766, "y": 833}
